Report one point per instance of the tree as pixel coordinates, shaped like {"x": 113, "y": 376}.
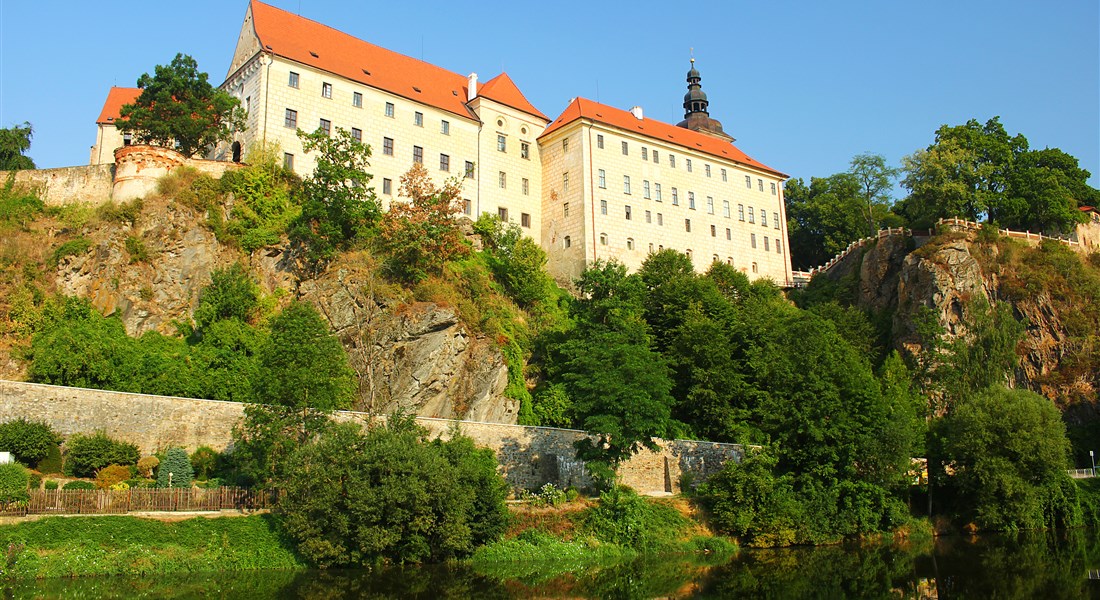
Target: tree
{"x": 338, "y": 207}
{"x": 175, "y": 471}
{"x": 303, "y": 365}
{"x": 875, "y": 181}
{"x": 423, "y": 235}
{"x": 14, "y": 142}
{"x": 28, "y": 441}
{"x": 1044, "y": 191}
{"x": 1003, "y": 455}
{"x": 824, "y": 217}
{"x": 178, "y": 107}
{"x": 231, "y": 295}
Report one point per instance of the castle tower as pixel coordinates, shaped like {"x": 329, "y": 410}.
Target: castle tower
{"x": 696, "y": 115}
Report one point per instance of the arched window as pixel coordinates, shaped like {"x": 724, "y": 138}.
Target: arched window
{"x": 603, "y": 239}
{"x": 629, "y": 243}
{"x": 567, "y": 242}
{"x": 754, "y": 269}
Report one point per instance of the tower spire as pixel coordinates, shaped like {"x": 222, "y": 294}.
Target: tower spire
{"x": 697, "y": 106}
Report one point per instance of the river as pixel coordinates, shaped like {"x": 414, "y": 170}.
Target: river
{"x": 1048, "y": 566}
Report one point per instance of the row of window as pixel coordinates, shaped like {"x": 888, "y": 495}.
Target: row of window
{"x": 605, "y": 240}
{"x": 357, "y": 102}
{"x": 654, "y": 193}
{"x": 567, "y": 242}
{"x": 524, "y": 218}
{"x": 647, "y": 153}
{"x": 524, "y": 147}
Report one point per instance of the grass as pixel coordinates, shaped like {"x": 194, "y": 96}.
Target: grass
{"x": 81, "y": 546}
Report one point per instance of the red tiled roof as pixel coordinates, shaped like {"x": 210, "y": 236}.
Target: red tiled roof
{"x": 502, "y": 89}
{"x": 311, "y": 43}
{"x": 583, "y": 108}
{"x": 115, "y": 99}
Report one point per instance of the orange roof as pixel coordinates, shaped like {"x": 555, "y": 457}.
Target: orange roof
{"x": 311, "y": 43}
{"x": 502, "y": 89}
{"x": 583, "y": 108}
{"x": 115, "y": 99}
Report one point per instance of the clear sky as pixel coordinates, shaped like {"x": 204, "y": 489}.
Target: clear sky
{"x": 803, "y": 86}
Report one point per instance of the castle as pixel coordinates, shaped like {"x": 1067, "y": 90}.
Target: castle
{"x": 596, "y": 183}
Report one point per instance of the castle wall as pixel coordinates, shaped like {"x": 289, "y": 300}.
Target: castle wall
{"x": 529, "y": 456}
{"x": 89, "y": 184}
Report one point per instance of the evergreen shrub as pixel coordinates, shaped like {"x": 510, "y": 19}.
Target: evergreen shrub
{"x": 79, "y": 485}
{"x": 14, "y": 479}
{"x": 175, "y": 470}
{"x": 29, "y": 441}
{"x": 86, "y": 454}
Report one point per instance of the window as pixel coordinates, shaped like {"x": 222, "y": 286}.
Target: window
{"x": 748, "y": 181}
{"x": 656, "y": 159}
{"x": 763, "y": 217}
{"x": 418, "y": 154}
{"x": 387, "y": 146}
{"x": 525, "y": 220}
{"x": 675, "y": 197}
{"x": 691, "y": 200}
{"x": 603, "y": 239}
{"x": 726, "y": 208}
{"x": 766, "y": 248}
{"x": 688, "y": 252}
{"x": 357, "y": 134}
{"x": 626, "y": 184}
{"x": 660, "y": 220}
{"x": 710, "y": 205}
{"x": 687, "y": 164}
{"x": 626, "y": 149}
{"x": 687, "y": 225}
{"x": 524, "y": 150}
{"x": 293, "y": 80}
{"x": 729, "y": 234}
{"x": 773, "y": 188}
{"x": 565, "y": 209}
{"x": 629, "y": 243}
{"x": 603, "y": 207}
{"x": 444, "y": 162}
{"x": 387, "y": 186}
{"x": 445, "y": 127}
{"x": 778, "y": 246}
{"x": 752, "y": 239}
{"x": 775, "y": 219}
{"x": 502, "y": 143}
{"x": 326, "y": 127}
{"x": 657, "y": 191}
{"x": 599, "y": 141}
{"x": 357, "y": 100}
{"x": 672, "y": 160}
{"x": 502, "y": 180}
{"x": 740, "y": 212}
{"x": 754, "y": 269}
{"x": 645, "y": 189}
{"x": 469, "y": 170}
{"x": 645, "y": 153}
{"x": 760, "y": 183}
{"x": 565, "y": 183}
{"x": 291, "y": 118}
{"x": 288, "y": 161}
{"x": 467, "y": 206}
{"x": 648, "y": 217}
{"x": 714, "y": 258}
{"x": 389, "y": 109}
{"x": 713, "y": 231}
{"x": 418, "y": 119}
{"x": 707, "y": 169}
{"x": 565, "y": 145}
{"x": 651, "y": 247}
{"x": 566, "y": 242}
{"x": 603, "y": 179}
{"x": 627, "y": 212}
{"x": 525, "y": 186}
{"x": 723, "y": 175}
{"x": 752, "y": 217}
{"x": 502, "y": 213}
{"x": 127, "y": 139}
{"x": 326, "y": 90}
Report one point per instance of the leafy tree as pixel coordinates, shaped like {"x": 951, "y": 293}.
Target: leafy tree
{"x": 82, "y": 349}
{"x": 984, "y": 356}
{"x": 875, "y": 181}
{"x": 178, "y": 107}
{"x": 28, "y": 441}
{"x": 518, "y": 262}
{"x": 1002, "y": 454}
{"x": 1044, "y": 190}
{"x": 751, "y": 501}
{"x": 231, "y": 295}
{"x": 14, "y": 142}
{"x": 824, "y": 217}
{"x": 264, "y": 203}
{"x": 423, "y": 235}
{"x": 204, "y": 460}
{"x": 304, "y": 366}
{"x": 175, "y": 470}
{"x": 338, "y": 207}
{"x": 265, "y": 438}
{"x": 86, "y": 454}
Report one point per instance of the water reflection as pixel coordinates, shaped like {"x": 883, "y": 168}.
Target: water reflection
{"x": 1024, "y": 566}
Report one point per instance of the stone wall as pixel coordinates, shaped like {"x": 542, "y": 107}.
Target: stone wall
{"x": 90, "y": 184}
{"x": 529, "y": 456}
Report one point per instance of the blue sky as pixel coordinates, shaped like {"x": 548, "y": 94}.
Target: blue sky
{"x": 803, "y": 86}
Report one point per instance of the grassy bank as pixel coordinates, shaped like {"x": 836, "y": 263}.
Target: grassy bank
{"x": 79, "y": 546}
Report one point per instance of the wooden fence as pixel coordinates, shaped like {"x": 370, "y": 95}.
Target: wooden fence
{"x": 116, "y": 502}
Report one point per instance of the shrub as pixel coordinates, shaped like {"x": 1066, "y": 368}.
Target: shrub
{"x": 51, "y": 484}
{"x": 146, "y": 465}
{"x": 87, "y": 454}
{"x": 72, "y": 247}
{"x": 18, "y": 206}
{"x": 141, "y": 483}
{"x": 36, "y": 481}
{"x": 135, "y": 247}
{"x": 175, "y": 470}
{"x": 29, "y": 441}
{"x": 79, "y": 485}
{"x": 204, "y": 460}
{"x": 52, "y": 463}
{"x": 623, "y": 517}
{"x": 109, "y": 476}
{"x": 14, "y": 479}
{"x": 125, "y": 212}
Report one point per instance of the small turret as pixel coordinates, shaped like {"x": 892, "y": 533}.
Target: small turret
{"x": 696, "y": 105}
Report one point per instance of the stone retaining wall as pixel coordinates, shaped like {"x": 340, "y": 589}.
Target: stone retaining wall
{"x": 67, "y": 185}
{"x": 529, "y": 456}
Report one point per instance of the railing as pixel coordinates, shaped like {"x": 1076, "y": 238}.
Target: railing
{"x": 801, "y": 278}
{"x": 1081, "y": 473}
{"x": 1025, "y": 235}
{"x": 115, "y": 502}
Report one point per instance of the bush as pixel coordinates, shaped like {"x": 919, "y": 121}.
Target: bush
{"x": 87, "y": 454}
{"x": 204, "y": 460}
{"x": 36, "y": 481}
{"x": 52, "y": 463}
{"x": 175, "y": 470}
{"x": 79, "y": 485}
{"x": 141, "y": 483}
{"x": 51, "y": 484}
{"x": 623, "y": 517}
{"x": 146, "y": 465}
{"x": 135, "y": 247}
{"x": 29, "y": 441}
{"x": 14, "y": 479}
{"x": 109, "y": 476}
{"x": 72, "y": 247}
{"x": 125, "y": 212}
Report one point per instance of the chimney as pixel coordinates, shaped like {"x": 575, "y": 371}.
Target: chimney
{"x": 471, "y": 87}
{"x": 637, "y": 112}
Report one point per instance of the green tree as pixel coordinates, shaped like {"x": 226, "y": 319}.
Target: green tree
{"x": 1045, "y": 189}
{"x": 875, "y": 180}
{"x": 1002, "y": 454}
{"x": 14, "y": 143}
{"x": 984, "y": 356}
{"x": 178, "y": 107}
{"x": 304, "y": 366}
{"x": 175, "y": 470}
{"x": 231, "y": 295}
{"x": 824, "y": 217}
{"x": 422, "y": 235}
{"x": 86, "y": 454}
{"x": 338, "y": 207}
{"x": 751, "y": 501}
{"x": 28, "y": 441}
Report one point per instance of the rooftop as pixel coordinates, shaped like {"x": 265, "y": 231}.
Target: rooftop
{"x": 116, "y": 98}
